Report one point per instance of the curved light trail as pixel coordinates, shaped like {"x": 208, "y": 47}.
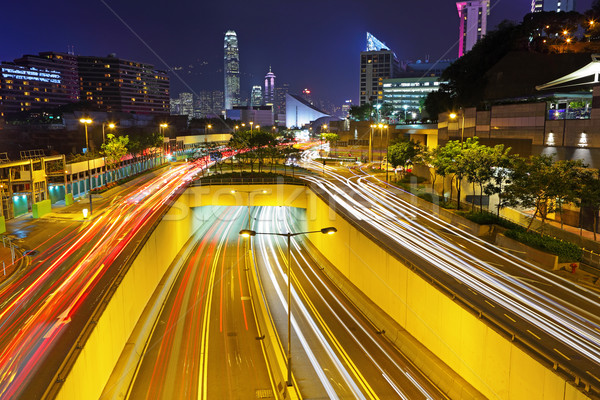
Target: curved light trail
{"x": 565, "y": 313}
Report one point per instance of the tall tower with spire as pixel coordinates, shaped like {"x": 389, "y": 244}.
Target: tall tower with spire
{"x": 232, "y": 70}
{"x": 269, "y": 88}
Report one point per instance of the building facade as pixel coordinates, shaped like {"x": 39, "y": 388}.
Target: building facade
{"x": 256, "y": 96}
{"x": 39, "y": 81}
{"x": 377, "y": 63}
{"x": 473, "y": 23}
{"x": 279, "y": 108}
{"x": 118, "y": 85}
{"x": 552, "y": 5}
{"x": 270, "y": 88}
{"x": 300, "y": 112}
{"x": 232, "y": 70}
{"x": 407, "y": 95}
{"x": 211, "y": 104}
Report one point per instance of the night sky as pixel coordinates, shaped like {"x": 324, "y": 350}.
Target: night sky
{"x": 309, "y": 43}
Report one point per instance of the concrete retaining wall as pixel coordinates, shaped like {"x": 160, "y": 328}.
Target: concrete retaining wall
{"x": 546, "y": 260}
{"x": 488, "y": 361}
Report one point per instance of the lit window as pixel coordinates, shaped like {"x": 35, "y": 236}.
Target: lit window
{"x": 106, "y": 65}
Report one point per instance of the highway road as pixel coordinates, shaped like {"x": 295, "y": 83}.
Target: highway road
{"x": 554, "y": 316}
{"x": 205, "y": 343}
{"x": 336, "y": 352}
{"x": 44, "y": 309}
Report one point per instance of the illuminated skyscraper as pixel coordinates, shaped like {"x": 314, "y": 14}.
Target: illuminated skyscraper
{"x": 270, "y": 88}
{"x": 232, "y": 70}
{"x": 473, "y": 23}
{"x": 552, "y": 5}
{"x": 256, "y": 97}
{"x": 377, "y": 63}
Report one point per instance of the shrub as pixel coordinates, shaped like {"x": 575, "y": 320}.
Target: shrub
{"x": 566, "y": 252}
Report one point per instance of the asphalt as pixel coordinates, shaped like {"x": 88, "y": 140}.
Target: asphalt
{"x": 29, "y": 236}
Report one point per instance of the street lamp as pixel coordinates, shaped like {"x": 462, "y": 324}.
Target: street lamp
{"x": 235, "y": 128}
{"x": 251, "y": 125}
{"x": 453, "y": 116}
{"x": 249, "y": 233}
{"x": 208, "y": 128}
{"x": 161, "y": 131}
{"x": 257, "y": 127}
{"x": 248, "y": 192}
{"x": 371, "y": 143}
{"x": 110, "y": 126}
{"x": 86, "y": 122}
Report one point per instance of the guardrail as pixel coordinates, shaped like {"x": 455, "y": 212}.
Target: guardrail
{"x": 247, "y": 181}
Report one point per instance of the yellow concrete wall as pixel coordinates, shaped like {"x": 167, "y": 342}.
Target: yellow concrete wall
{"x": 491, "y": 363}
{"x": 97, "y": 359}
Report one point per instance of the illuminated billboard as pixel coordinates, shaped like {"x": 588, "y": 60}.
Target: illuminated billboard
{"x": 31, "y": 74}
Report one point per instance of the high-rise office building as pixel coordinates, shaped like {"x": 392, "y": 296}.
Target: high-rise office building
{"x": 232, "y": 70}
{"x": 38, "y": 81}
{"x": 270, "y": 88}
{"x": 279, "y": 108}
{"x": 377, "y": 63}
{"x": 186, "y": 104}
{"x": 552, "y": 5}
{"x": 210, "y": 104}
{"x": 115, "y": 84}
{"x": 256, "y": 97}
{"x": 473, "y": 23}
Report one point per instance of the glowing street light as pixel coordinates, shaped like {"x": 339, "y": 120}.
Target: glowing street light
{"x": 462, "y": 133}
{"x": 247, "y": 233}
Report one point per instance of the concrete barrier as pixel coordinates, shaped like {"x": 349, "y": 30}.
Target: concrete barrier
{"x": 2, "y": 224}
{"x": 68, "y": 199}
{"x": 41, "y": 208}
{"x": 95, "y": 362}
{"x": 545, "y": 260}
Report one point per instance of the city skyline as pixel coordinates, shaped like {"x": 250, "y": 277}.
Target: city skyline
{"x": 305, "y": 56}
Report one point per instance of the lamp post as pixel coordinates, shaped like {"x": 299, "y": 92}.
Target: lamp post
{"x": 453, "y": 116}
{"x": 110, "y": 126}
{"x": 251, "y": 125}
{"x": 249, "y": 233}
{"x": 161, "y": 131}
{"x": 248, "y": 192}
{"x": 257, "y": 127}
{"x": 86, "y": 122}
{"x": 371, "y": 143}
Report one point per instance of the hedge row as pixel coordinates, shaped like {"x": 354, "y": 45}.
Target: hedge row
{"x": 566, "y": 251}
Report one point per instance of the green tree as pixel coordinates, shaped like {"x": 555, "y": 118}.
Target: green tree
{"x": 540, "y": 183}
{"x": 565, "y": 182}
{"x": 501, "y": 173}
{"x": 330, "y": 138}
{"x": 361, "y": 113}
{"x": 240, "y": 141}
{"x": 260, "y": 142}
{"x": 441, "y": 159}
{"x": 588, "y": 192}
{"x": 403, "y": 153}
{"x": 114, "y": 149}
